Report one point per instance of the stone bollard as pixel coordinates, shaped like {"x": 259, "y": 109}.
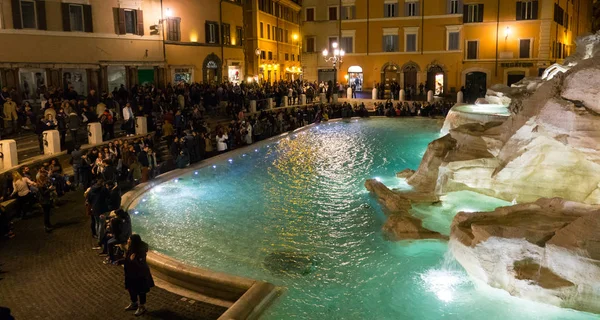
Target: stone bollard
{"x": 459, "y": 97}
{"x": 141, "y": 125}
{"x": 302, "y": 99}
{"x": 374, "y": 94}
{"x": 8, "y": 149}
{"x": 252, "y": 105}
{"x": 284, "y": 101}
{"x": 94, "y": 131}
{"x": 430, "y": 96}
{"x": 269, "y": 103}
{"x": 51, "y": 140}
{"x": 402, "y": 95}
{"x": 335, "y": 98}
{"x": 322, "y": 98}
{"x": 349, "y": 93}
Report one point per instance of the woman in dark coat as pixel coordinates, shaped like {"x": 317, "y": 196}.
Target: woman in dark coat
{"x": 138, "y": 279}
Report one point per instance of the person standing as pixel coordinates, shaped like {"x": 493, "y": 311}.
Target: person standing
{"x": 138, "y": 279}
{"x": 24, "y": 195}
{"x": 74, "y": 122}
{"x": 128, "y": 119}
{"x": 46, "y": 192}
{"x": 145, "y": 164}
{"x": 10, "y": 114}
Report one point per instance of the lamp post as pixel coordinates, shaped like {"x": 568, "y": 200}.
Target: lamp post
{"x": 257, "y": 52}
{"x": 336, "y": 58}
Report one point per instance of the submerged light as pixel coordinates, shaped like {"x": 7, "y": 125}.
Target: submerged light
{"x": 378, "y": 179}
{"x": 214, "y": 166}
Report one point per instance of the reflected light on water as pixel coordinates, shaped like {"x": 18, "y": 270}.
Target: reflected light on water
{"x": 443, "y": 283}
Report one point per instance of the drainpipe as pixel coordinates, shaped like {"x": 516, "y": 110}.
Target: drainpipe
{"x": 162, "y": 20}
{"x": 367, "y": 27}
{"x": 422, "y": 23}
{"x": 497, "y": 33}
{"x": 221, "y": 40}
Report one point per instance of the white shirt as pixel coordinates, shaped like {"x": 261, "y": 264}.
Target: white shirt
{"x": 248, "y": 137}
{"x": 221, "y": 143}
{"x": 21, "y": 187}
{"x": 127, "y": 113}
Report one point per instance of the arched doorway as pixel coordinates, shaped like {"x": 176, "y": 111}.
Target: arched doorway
{"x": 436, "y": 79}
{"x": 355, "y": 78}
{"x": 211, "y": 69}
{"x": 390, "y": 75}
{"x": 514, "y": 76}
{"x": 409, "y": 71}
{"x": 475, "y": 86}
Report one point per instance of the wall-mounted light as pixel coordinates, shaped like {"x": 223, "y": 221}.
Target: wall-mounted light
{"x": 506, "y": 33}
{"x": 168, "y": 13}
{"x": 295, "y": 36}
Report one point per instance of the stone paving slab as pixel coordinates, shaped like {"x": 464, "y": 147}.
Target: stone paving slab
{"x": 59, "y": 276}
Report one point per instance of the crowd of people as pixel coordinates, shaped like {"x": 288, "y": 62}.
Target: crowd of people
{"x": 179, "y": 118}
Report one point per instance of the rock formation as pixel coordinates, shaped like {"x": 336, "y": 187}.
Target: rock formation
{"x": 547, "y": 154}
{"x": 545, "y": 251}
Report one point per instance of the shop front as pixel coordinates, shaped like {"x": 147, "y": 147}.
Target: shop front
{"x": 182, "y": 74}
{"x": 326, "y": 75}
{"x": 235, "y": 72}
{"x": 76, "y": 78}
{"x": 145, "y": 75}
{"x": 32, "y": 82}
{"x": 211, "y": 70}
{"x": 116, "y": 76}
{"x": 355, "y": 78}
{"x": 293, "y": 73}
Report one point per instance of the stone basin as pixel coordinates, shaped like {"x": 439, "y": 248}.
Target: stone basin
{"x": 462, "y": 113}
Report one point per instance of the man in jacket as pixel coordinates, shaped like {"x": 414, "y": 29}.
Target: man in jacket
{"x": 10, "y": 114}
{"x": 144, "y": 163}
{"x": 74, "y": 123}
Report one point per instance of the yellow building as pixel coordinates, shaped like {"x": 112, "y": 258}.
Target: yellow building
{"x": 273, "y": 39}
{"x": 82, "y": 43}
{"x": 447, "y": 44}
{"x": 204, "y": 40}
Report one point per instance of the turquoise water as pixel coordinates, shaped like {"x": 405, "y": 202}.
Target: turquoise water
{"x": 494, "y": 109}
{"x": 304, "y": 195}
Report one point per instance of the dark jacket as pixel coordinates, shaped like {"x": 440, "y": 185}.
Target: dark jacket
{"x": 74, "y": 122}
{"x": 114, "y": 199}
{"x": 97, "y": 200}
{"x": 143, "y": 159}
{"x": 137, "y": 273}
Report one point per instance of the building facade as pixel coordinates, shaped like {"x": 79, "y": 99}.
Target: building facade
{"x": 448, "y": 44}
{"x": 204, "y": 40}
{"x": 103, "y": 44}
{"x": 273, "y": 39}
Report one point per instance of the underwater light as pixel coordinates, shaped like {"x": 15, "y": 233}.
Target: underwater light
{"x": 214, "y": 166}
{"x": 136, "y": 212}
{"x": 196, "y": 172}
{"x": 255, "y": 150}
{"x": 378, "y": 179}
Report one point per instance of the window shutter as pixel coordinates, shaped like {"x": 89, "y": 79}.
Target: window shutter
{"x": 418, "y": 8}
{"x": 207, "y": 32}
{"x": 448, "y": 6}
{"x": 406, "y": 10}
{"x": 480, "y": 12}
{"x": 460, "y": 7}
{"x": 465, "y": 13}
{"x": 383, "y": 46}
{"x": 88, "y": 22}
{"x": 353, "y": 12}
{"x": 120, "y": 20}
{"x": 534, "y": 9}
{"x": 66, "y": 18}
{"x": 41, "y": 14}
{"x": 519, "y": 11}
{"x": 16, "y": 14}
{"x": 140, "y": 22}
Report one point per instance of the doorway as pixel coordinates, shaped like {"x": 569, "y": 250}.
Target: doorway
{"x": 390, "y": 74}
{"x": 435, "y": 80}
{"x": 475, "y": 86}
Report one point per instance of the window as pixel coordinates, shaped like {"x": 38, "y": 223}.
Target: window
{"x": 559, "y": 14}
{"x": 411, "y": 43}
{"x": 274, "y": 33}
{"x": 472, "y": 48}
{"x": 130, "y": 21}
{"x": 347, "y": 44}
{"x": 226, "y": 30}
{"x": 310, "y": 14}
{"x": 261, "y": 31}
{"x": 390, "y": 43}
{"x": 348, "y": 12}
{"x": 268, "y": 31}
{"x": 174, "y": 29}
{"x": 287, "y": 57}
{"x": 212, "y": 32}
{"x": 332, "y": 13}
{"x": 270, "y": 55}
{"x": 453, "y": 41}
{"x": 263, "y": 55}
{"x": 412, "y": 9}
{"x": 453, "y": 7}
{"x": 390, "y": 10}
{"x": 524, "y": 48}
{"x": 298, "y": 57}
{"x": 473, "y": 13}
{"x": 293, "y": 57}
{"x": 28, "y": 17}
{"x": 76, "y": 17}
{"x": 239, "y": 35}
{"x": 527, "y": 10}
{"x": 285, "y": 36}
{"x": 310, "y": 44}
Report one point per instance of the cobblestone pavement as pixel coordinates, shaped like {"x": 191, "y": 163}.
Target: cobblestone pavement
{"x": 59, "y": 276}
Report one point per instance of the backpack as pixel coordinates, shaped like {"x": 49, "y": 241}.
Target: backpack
{"x": 107, "y": 119}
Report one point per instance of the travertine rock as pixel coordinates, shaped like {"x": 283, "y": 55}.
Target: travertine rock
{"x": 545, "y": 251}
{"x": 402, "y": 227}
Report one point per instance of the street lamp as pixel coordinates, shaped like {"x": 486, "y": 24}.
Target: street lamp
{"x": 337, "y": 59}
